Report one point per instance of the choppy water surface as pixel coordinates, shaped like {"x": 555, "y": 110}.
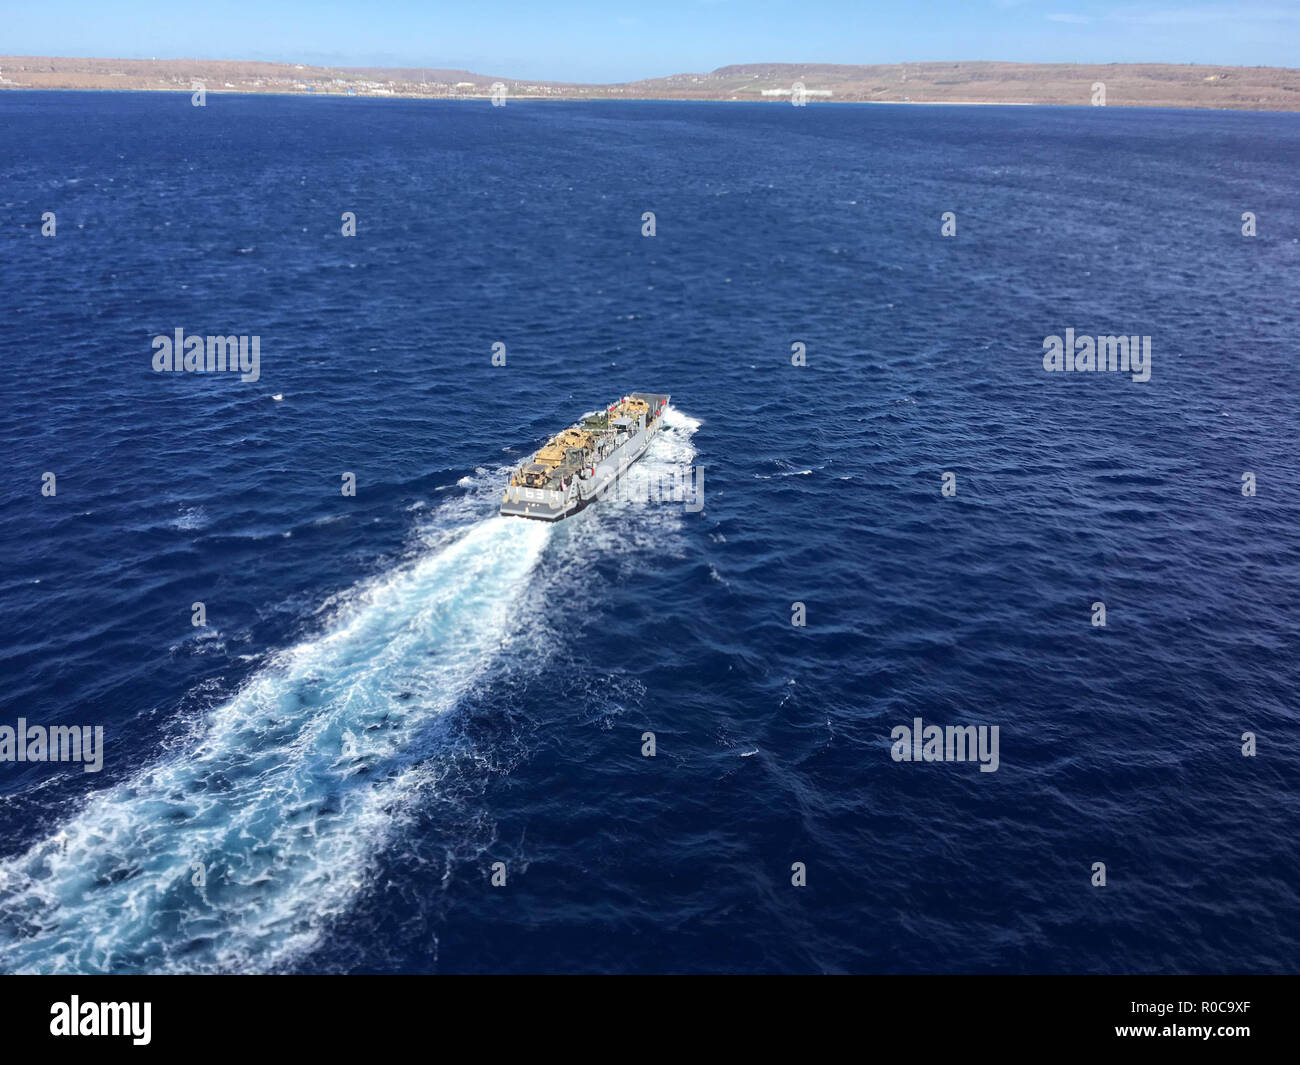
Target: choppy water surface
{"x": 397, "y": 690}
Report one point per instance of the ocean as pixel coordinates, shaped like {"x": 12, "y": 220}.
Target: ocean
{"x": 399, "y": 699}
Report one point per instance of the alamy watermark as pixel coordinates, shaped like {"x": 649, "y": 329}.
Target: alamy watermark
{"x": 78, "y": 1018}
{"x": 1071, "y": 354}
{"x": 58, "y": 743}
{"x": 955, "y": 743}
{"x": 673, "y": 484}
{"x": 212, "y": 354}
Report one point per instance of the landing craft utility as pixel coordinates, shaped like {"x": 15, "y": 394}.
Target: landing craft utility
{"x": 575, "y": 466}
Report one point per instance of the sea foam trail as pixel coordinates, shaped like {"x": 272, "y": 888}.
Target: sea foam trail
{"x": 293, "y": 788}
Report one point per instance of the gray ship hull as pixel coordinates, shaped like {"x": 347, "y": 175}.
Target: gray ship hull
{"x": 556, "y": 504}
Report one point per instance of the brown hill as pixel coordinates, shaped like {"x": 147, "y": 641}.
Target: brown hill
{"x": 1126, "y": 85}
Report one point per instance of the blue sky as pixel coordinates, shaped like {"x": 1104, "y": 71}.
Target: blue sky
{"x": 582, "y": 40}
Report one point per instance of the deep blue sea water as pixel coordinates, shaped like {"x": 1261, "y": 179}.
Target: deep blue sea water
{"x": 398, "y": 690}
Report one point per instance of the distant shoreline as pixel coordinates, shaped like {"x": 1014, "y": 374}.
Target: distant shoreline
{"x": 547, "y": 99}
{"x": 972, "y": 84}
{"x": 654, "y": 100}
